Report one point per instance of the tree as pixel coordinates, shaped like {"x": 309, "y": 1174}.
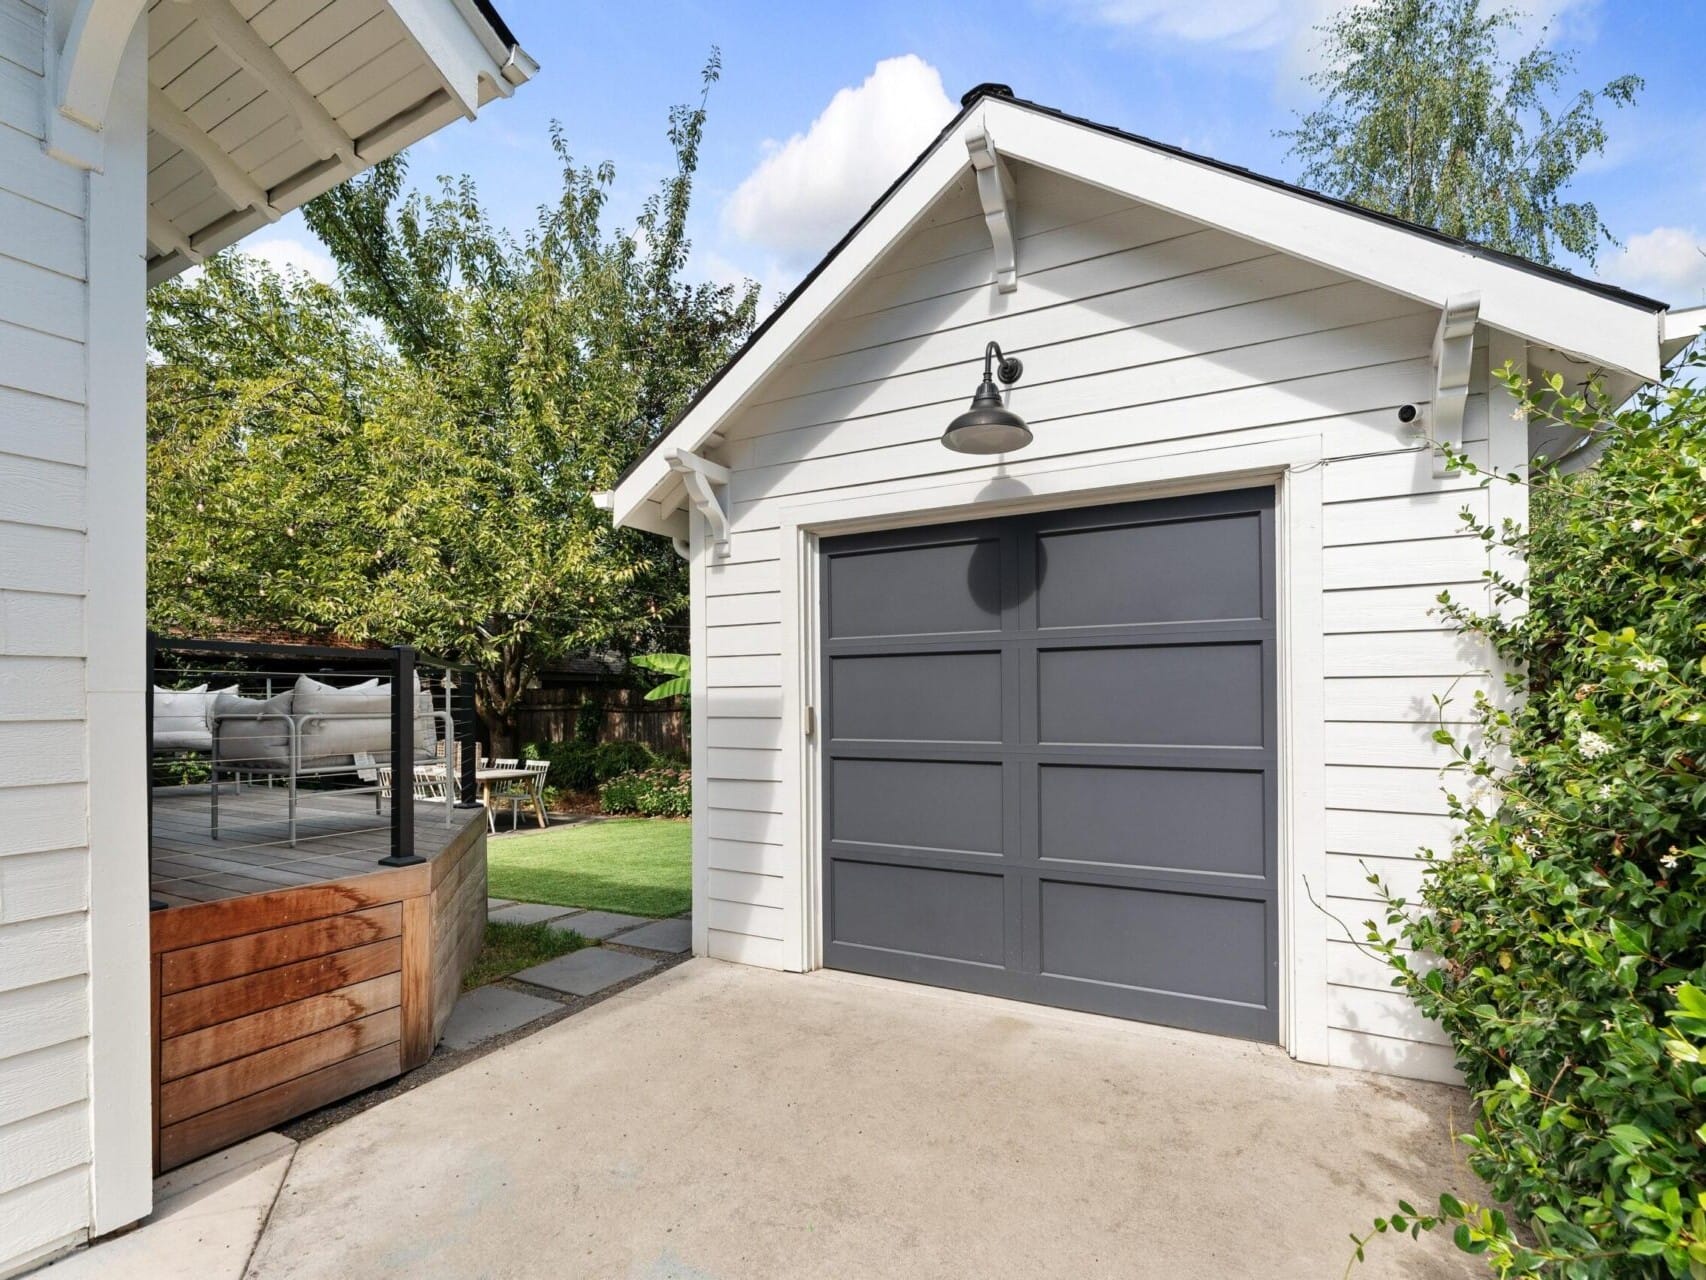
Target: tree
{"x": 262, "y": 434}
{"x": 1423, "y": 118}
{"x": 441, "y": 492}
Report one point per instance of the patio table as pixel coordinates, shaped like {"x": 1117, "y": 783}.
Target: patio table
{"x": 486, "y": 777}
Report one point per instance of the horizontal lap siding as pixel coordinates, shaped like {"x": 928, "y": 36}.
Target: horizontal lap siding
{"x": 44, "y": 869}
{"x": 1136, "y": 329}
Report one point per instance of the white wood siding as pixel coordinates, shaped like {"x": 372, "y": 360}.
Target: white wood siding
{"x": 44, "y": 859}
{"x": 1136, "y": 327}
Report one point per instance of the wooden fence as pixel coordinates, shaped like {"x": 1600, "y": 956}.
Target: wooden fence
{"x": 549, "y": 715}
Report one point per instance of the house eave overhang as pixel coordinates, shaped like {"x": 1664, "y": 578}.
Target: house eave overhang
{"x": 210, "y": 187}
{"x": 1598, "y": 324}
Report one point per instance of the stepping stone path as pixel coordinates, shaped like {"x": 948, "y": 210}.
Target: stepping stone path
{"x": 526, "y": 913}
{"x": 673, "y": 936}
{"x": 587, "y": 972}
{"x": 599, "y": 925}
{"x": 491, "y": 1011}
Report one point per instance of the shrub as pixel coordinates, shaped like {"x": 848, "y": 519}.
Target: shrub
{"x": 580, "y": 766}
{"x": 652, "y": 793}
{"x": 612, "y": 759}
{"x": 1569, "y": 919}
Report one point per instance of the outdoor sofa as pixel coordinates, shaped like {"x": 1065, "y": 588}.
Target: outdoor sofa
{"x": 310, "y": 730}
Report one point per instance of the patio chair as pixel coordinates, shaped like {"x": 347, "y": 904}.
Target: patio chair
{"x": 528, "y": 791}
{"x": 429, "y": 782}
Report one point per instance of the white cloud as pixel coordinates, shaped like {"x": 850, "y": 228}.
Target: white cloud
{"x": 1243, "y": 24}
{"x": 286, "y": 256}
{"x": 1669, "y": 261}
{"x": 1290, "y": 25}
{"x": 809, "y": 190}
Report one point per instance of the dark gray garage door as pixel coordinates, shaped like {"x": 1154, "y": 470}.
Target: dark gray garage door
{"x": 1049, "y": 759}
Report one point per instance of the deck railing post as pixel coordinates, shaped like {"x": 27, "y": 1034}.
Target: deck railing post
{"x": 402, "y": 760}
{"x": 151, "y": 662}
{"x": 468, "y": 750}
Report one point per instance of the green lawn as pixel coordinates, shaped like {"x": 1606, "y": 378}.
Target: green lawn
{"x": 511, "y": 948}
{"x": 640, "y": 866}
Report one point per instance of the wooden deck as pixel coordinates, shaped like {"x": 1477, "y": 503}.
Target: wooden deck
{"x": 285, "y": 979}
{"x": 338, "y": 834}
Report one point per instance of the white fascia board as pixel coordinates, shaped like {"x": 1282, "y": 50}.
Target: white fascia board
{"x": 463, "y": 49}
{"x": 1679, "y": 329}
{"x": 1547, "y": 311}
{"x": 944, "y": 166}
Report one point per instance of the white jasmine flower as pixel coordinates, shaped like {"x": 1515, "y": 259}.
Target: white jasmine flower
{"x": 1668, "y": 861}
{"x": 1648, "y": 666}
{"x": 1591, "y": 745}
{"x": 1637, "y": 525}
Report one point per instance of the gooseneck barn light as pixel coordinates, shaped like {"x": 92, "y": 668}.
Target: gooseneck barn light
{"x": 990, "y": 426}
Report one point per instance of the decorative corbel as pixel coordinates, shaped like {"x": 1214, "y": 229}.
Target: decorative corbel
{"x": 1454, "y": 349}
{"x": 701, "y": 480}
{"x": 995, "y": 190}
{"x": 82, "y": 62}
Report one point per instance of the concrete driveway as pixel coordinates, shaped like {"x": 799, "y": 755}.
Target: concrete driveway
{"x": 721, "y": 1121}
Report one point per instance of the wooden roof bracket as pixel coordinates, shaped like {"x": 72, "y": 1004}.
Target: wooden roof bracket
{"x": 1454, "y": 351}
{"x": 995, "y": 191}
{"x": 706, "y": 485}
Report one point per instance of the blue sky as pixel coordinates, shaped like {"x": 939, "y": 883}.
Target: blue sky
{"x": 820, "y": 106}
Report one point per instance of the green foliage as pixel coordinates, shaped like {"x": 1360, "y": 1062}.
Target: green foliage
{"x": 510, "y": 948}
{"x": 664, "y": 792}
{"x": 677, "y": 666}
{"x": 1569, "y": 919}
{"x": 413, "y": 457}
{"x": 581, "y": 766}
{"x": 1422, "y": 118}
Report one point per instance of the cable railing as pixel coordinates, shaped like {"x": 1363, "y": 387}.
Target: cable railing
{"x": 273, "y": 765}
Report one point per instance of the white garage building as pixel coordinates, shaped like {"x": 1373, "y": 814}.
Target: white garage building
{"x": 1112, "y": 719}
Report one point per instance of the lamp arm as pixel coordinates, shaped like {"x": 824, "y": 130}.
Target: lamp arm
{"x": 1008, "y": 370}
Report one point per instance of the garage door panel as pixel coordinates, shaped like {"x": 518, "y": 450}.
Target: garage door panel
{"x": 917, "y": 697}
{"x": 1173, "y": 694}
{"x": 1207, "y": 820}
{"x": 922, "y": 911}
{"x": 925, "y": 804}
{"x": 944, "y": 587}
{"x": 1050, "y": 769}
{"x": 1151, "y": 572}
{"x": 1188, "y": 944}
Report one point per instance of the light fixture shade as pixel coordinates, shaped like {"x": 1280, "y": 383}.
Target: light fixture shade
{"x": 987, "y": 427}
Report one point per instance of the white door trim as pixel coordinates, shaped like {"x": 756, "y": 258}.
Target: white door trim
{"x": 1293, "y": 466}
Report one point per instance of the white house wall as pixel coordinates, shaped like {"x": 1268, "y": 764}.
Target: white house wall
{"x": 1136, "y": 328}
{"x": 73, "y": 1053}
{"x": 44, "y": 860}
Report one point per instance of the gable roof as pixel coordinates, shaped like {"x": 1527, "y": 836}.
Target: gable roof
{"x": 1600, "y": 323}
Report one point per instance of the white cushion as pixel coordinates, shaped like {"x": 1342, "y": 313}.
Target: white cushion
{"x": 251, "y": 730}
{"x": 181, "y": 718}
{"x": 342, "y": 721}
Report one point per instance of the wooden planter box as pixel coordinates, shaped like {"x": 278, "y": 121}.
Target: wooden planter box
{"x": 271, "y": 1005}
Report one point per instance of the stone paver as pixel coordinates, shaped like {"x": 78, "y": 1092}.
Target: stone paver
{"x": 528, "y": 913}
{"x": 586, "y": 972}
{"x": 599, "y": 925}
{"x": 674, "y": 936}
{"x": 491, "y": 1011}
{"x": 492, "y": 904}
